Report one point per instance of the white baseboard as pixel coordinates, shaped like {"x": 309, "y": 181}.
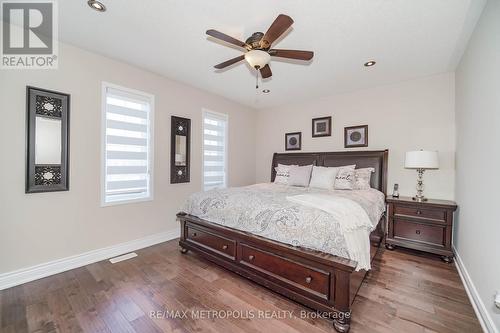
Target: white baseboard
{"x": 479, "y": 308}
{"x": 14, "y": 278}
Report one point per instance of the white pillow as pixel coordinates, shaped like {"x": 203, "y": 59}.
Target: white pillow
{"x": 282, "y": 174}
{"x": 344, "y": 180}
{"x": 362, "y": 178}
{"x": 323, "y": 177}
{"x": 300, "y": 175}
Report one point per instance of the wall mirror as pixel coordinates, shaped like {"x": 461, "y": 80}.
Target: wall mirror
{"x": 47, "y": 146}
{"x": 179, "y": 150}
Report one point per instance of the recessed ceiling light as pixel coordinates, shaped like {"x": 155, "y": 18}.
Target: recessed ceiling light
{"x": 370, "y": 63}
{"x": 266, "y": 91}
{"x": 96, "y": 5}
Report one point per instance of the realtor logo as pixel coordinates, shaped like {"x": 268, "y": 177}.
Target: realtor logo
{"x": 29, "y": 34}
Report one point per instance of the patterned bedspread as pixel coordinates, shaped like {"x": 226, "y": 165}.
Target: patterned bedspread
{"x": 263, "y": 209}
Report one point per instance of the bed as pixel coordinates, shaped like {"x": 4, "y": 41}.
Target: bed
{"x": 319, "y": 277}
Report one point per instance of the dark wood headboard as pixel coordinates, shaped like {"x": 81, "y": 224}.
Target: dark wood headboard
{"x": 376, "y": 159}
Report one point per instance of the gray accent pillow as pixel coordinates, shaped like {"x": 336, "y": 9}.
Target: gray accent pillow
{"x": 300, "y": 175}
{"x": 362, "y": 178}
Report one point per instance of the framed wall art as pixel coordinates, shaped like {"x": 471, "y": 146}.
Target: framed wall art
{"x": 47, "y": 140}
{"x": 180, "y": 146}
{"x": 293, "y": 141}
{"x": 321, "y": 127}
{"x": 356, "y": 136}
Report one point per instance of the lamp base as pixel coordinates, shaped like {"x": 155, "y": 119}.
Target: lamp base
{"x": 420, "y": 186}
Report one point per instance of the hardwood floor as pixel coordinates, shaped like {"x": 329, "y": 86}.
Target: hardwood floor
{"x": 405, "y": 292}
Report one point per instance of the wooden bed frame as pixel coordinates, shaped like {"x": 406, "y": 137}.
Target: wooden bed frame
{"x": 321, "y": 281}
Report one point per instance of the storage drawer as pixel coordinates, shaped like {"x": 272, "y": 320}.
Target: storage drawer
{"x": 298, "y": 275}
{"x": 419, "y": 232}
{"x": 423, "y": 213}
{"x": 211, "y": 241}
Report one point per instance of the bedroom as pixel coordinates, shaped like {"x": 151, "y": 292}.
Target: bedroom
{"x": 139, "y": 126}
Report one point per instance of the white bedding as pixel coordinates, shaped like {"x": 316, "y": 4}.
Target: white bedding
{"x": 353, "y": 220}
{"x": 263, "y": 209}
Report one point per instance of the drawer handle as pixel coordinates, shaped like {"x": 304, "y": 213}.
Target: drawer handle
{"x": 250, "y": 257}
{"x": 224, "y": 247}
{"x": 308, "y": 279}
{"x": 194, "y": 234}
{"x": 419, "y": 212}
{"x": 417, "y": 232}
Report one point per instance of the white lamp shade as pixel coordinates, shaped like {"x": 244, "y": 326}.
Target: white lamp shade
{"x": 257, "y": 58}
{"x": 422, "y": 159}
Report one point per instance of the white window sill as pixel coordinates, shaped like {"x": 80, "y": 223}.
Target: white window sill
{"x": 126, "y": 202}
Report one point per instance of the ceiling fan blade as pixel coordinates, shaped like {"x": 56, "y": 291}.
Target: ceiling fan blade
{"x": 279, "y": 26}
{"x": 229, "y": 62}
{"x": 266, "y": 72}
{"x": 292, "y": 54}
{"x": 226, "y": 38}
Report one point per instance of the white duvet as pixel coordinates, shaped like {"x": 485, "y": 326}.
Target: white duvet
{"x": 353, "y": 220}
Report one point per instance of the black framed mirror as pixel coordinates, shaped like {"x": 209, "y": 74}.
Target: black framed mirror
{"x": 47, "y": 146}
{"x": 180, "y": 145}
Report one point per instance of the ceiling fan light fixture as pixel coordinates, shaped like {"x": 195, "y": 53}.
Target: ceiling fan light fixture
{"x": 257, "y": 58}
{"x": 96, "y": 5}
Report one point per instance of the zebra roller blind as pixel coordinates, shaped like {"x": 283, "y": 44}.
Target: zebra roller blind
{"x": 127, "y": 145}
{"x": 214, "y": 150}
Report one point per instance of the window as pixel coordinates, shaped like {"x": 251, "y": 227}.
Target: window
{"x": 214, "y": 150}
{"x": 127, "y": 141}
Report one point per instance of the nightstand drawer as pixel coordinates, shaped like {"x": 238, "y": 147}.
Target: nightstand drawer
{"x": 419, "y": 232}
{"x": 417, "y": 212}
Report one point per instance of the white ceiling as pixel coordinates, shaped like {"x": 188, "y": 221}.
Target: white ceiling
{"x": 407, "y": 38}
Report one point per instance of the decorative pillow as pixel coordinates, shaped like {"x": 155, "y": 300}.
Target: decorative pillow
{"x": 323, "y": 177}
{"x": 362, "y": 178}
{"x": 282, "y": 174}
{"x": 345, "y": 178}
{"x": 300, "y": 175}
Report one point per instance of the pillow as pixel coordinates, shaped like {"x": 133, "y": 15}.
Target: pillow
{"x": 300, "y": 175}
{"x": 282, "y": 174}
{"x": 323, "y": 177}
{"x": 345, "y": 178}
{"x": 362, "y": 178}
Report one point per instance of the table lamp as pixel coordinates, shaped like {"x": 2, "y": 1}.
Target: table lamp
{"x": 421, "y": 160}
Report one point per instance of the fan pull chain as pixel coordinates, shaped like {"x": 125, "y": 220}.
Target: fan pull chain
{"x": 256, "y": 79}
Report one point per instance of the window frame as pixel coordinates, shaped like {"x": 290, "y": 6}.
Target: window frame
{"x": 226, "y": 147}
{"x": 151, "y": 99}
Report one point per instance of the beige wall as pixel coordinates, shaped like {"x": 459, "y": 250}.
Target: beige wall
{"x": 417, "y": 114}
{"x": 478, "y": 136}
{"x": 36, "y": 228}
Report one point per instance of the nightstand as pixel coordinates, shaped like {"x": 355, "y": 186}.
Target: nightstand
{"x": 425, "y": 226}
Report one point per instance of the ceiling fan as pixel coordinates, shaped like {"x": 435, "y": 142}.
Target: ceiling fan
{"x": 258, "y": 47}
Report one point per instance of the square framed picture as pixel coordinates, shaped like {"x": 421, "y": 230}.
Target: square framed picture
{"x": 293, "y": 141}
{"x": 356, "y": 136}
{"x": 322, "y": 127}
